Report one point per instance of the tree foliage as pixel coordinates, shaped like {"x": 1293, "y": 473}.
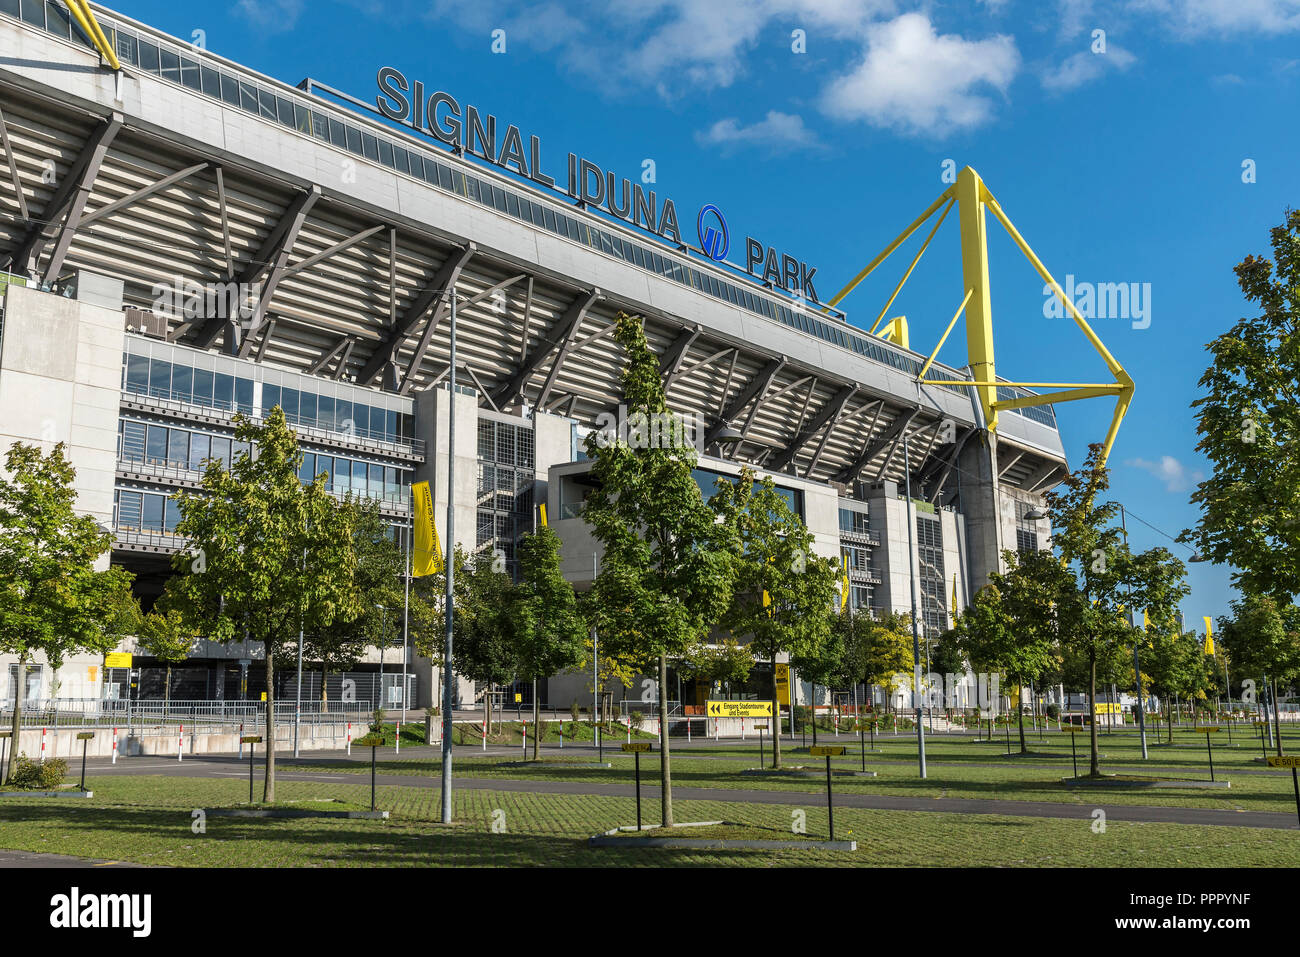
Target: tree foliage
{"x": 53, "y": 601}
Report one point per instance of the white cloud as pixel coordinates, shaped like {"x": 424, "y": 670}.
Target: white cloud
{"x": 273, "y": 16}
{"x": 1085, "y": 67}
{"x": 776, "y": 132}
{"x": 1176, "y": 476}
{"x": 1209, "y": 17}
{"x": 915, "y": 80}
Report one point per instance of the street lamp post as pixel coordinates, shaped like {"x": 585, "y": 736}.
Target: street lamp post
{"x": 449, "y": 607}
{"x": 916, "y": 636}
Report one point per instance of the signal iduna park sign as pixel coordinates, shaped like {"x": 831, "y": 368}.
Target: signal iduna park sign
{"x": 466, "y": 129}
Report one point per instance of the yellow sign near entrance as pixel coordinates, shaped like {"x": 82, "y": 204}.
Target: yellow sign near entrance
{"x": 1284, "y": 761}
{"x": 518, "y": 697}
{"x": 117, "y": 659}
{"x": 831, "y": 751}
{"x": 782, "y": 684}
{"x": 740, "y": 709}
{"x": 1108, "y": 707}
{"x": 636, "y": 746}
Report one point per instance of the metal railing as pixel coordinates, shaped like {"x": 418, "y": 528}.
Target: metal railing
{"x": 201, "y": 716}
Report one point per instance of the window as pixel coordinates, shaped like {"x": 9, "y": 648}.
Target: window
{"x": 160, "y": 379}
{"x": 156, "y": 445}
{"x": 131, "y": 440}
{"x": 221, "y": 450}
{"x": 182, "y": 383}
{"x": 152, "y": 520}
{"x": 223, "y": 392}
{"x": 178, "y": 448}
{"x": 307, "y": 471}
{"x": 128, "y": 510}
{"x": 137, "y": 374}
{"x": 200, "y": 449}
{"x": 203, "y": 386}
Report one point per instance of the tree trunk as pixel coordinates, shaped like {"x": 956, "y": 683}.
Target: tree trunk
{"x": 16, "y": 726}
{"x": 1094, "y": 767}
{"x": 665, "y": 761}
{"x": 537, "y": 723}
{"x": 1020, "y": 712}
{"x": 776, "y": 718}
{"x": 268, "y": 790}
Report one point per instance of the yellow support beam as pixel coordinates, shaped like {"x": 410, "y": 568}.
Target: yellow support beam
{"x": 915, "y": 259}
{"x": 86, "y": 17}
{"x": 975, "y": 276}
{"x": 902, "y": 238}
{"x": 896, "y": 331}
{"x": 943, "y": 338}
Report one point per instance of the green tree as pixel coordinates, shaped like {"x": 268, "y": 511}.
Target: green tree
{"x": 722, "y": 662}
{"x": 820, "y": 663}
{"x": 339, "y": 643}
{"x": 1259, "y": 644}
{"x": 782, "y": 592}
{"x": 889, "y": 651}
{"x": 1247, "y": 422}
{"x": 269, "y": 554}
{"x": 482, "y": 629}
{"x": 1174, "y": 664}
{"x": 549, "y": 631}
{"x": 53, "y": 602}
{"x": 166, "y": 635}
{"x": 665, "y": 576}
{"x": 1107, "y": 579}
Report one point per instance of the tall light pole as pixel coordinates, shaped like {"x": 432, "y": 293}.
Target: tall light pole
{"x": 1137, "y": 666}
{"x": 916, "y": 635}
{"x": 449, "y": 607}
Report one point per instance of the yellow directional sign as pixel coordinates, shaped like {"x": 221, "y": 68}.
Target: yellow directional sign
{"x": 117, "y": 659}
{"x": 782, "y": 684}
{"x": 518, "y": 697}
{"x": 760, "y": 727}
{"x": 1072, "y": 729}
{"x": 370, "y": 741}
{"x": 825, "y": 750}
{"x": 85, "y": 735}
{"x": 740, "y": 709}
{"x": 636, "y": 746}
{"x": 1284, "y": 761}
{"x": 1205, "y": 730}
{"x": 251, "y": 739}
{"x": 1108, "y": 707}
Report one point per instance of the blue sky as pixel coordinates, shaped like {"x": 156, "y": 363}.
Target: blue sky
{"x": 1117, "y": 166}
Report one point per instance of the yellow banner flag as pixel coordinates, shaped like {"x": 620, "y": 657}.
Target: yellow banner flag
{"x": 426, "y": 551}
{"x": 844, "y": 580}
{"x": 1146, "y": 622}
{"x": 1209, "y": 635}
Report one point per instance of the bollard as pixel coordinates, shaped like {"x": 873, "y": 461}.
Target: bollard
{"x": 397, "y": 739}
{"x": 628, "y": 719}
{"x": 115, "y": 745}
{"x": 484, "y": 735}
{"x": 742, "y": 729}
{"x": 180, "y": 743}
{"x": 42, "y": 745}
{"x": 523, "y": 740}
{"x": 561, "y": 735}
{"x": 241, "y": 743}
{"x": 349, "y": 738}
{"x": 688, "y": 730}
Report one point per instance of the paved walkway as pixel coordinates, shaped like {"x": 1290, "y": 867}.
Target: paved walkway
{"x": 232, "y": 767}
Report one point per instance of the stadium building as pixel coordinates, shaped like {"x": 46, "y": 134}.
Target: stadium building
{"x": 185, "y": 238}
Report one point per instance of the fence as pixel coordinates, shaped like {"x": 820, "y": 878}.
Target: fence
{"x": 202, "y": 716}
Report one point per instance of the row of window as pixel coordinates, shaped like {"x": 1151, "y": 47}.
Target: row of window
{"x": 139, "y": 511}
{"x": 164, "y": 379}
{"x": 506, "y": 444}
{"x": 934, "y": 601}
{"x": 153, "y": 444}
{"x": 853, "y": 522}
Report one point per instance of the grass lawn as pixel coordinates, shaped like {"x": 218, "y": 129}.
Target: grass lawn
{"x": 149, "y": 820}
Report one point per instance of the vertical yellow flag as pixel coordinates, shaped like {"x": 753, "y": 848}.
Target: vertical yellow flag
{"x": 1146, "y": 621}
{"x": 844, "y": 581}
{"x": 1209, "y": 635}
{"x": 426, "y": 551}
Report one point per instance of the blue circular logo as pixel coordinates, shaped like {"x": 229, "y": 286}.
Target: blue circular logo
{"x": 713, "y": 238}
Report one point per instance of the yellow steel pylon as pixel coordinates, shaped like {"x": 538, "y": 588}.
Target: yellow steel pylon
{"x": 80, "y": 9}
{"x": 972, "y": 199}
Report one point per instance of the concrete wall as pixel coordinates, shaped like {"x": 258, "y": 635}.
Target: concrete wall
{"x": 60, "y": 381}
{"x": 166, "y": 742}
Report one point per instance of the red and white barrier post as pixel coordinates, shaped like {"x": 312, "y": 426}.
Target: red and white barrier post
{"x": 523, "y": 742}
{"x": 115, "y": 745}
{"x": 241, "y": 741}
{"x": 397, "y": 739}
{"x": 349, "y": 737}
{"x": 561, "y": 735}
{"x": 484, "y": 724}
{"x": 688, "y": 730}
{"x": 42, "y": 745}
{"x": 628, "y": 719}
{"x": 180, "y": 743}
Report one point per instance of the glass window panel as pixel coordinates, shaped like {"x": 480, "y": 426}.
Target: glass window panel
{"x": 284, "y": 109}
{"x": 325, "y": 463}
{"x": 325, "y": 412}
{"x": 401, "y": 159}
{"x": 247, "y": 97}
{"x": 190, "y": 74}
{"x": 354, "y": 139}
{"x": 200, "y": 449}
{"x": 386, "y": 153}
{"x": 132, "y": 441}
{"x": 152, "y": 519}
{"x": 360, "y": 418}
{"x": 221, "y": 450}
{"x": 390, "y": 483}
{"x": 337, "y": 135}
{"x": 320, "y": 126}
{"x": 137, "y": 373}
{"x": 182, "y": 382}
{"x": 223, "y": 391}
{"x": 445, "y": 178}
{"x": 171, "y": 514}
{"x": 306, "y": 472}
{"x": 128, "y": 510}
{"x": 376, "y": 485}
{"x": 57, "y": 21}
{"x": 126, "y": 48}
{"x": 244, "y": 394}
{"x": 343, "y": 415}
{"x": 390, "y": 424}
{"x": 203, "y": 384}
{"x": 270, "y": 397}
{"x": 369, "y": 147}
{"x": 178, "y": 448}
{"x": 302, "y": 119}
{"x": 307, "y": 408}
{"x": 342, "y": 475}
{"x": 266, "y": 105}
{"x": 148, "y": 54}
{"x": 160, "y": 378}
{"x": 359, "y": 477}
{"x": 229, "y": 89}
{"x": 171, "y": 65}
{"x": 237, "y": 449}
{"x": 155, "y": 449}
{"x": 10, "y": 7}
{"x": 289, "y": 402}
{"x": 210, "y": 81}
